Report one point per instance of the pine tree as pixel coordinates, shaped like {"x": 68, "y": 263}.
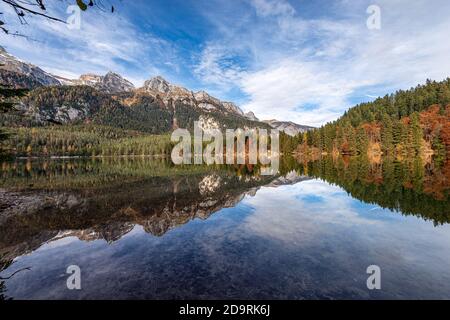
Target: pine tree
{"x": 387, "y": 139}
{"x": 416, "y": 132}
{"x": 362, "y": 141}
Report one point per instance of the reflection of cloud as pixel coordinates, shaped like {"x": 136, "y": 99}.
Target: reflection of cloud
{"x": 302, "y": 218}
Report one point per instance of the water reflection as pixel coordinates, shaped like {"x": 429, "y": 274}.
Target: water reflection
{"x": 413, "y": 187}
{"x": 125, "y": 223}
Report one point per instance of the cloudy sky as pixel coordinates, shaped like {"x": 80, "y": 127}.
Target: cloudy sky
{"x": 300, "y": 60}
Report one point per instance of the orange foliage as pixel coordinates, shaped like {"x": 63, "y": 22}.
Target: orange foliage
{"x": 373, "y": 131}
{"x": 433, "y": 123}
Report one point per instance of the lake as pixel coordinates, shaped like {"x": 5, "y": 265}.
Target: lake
{"x": 141, "y": 228}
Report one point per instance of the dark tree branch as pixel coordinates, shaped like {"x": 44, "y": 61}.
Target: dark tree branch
{"x": 14, "y": 273}
{"x": 17, "y": 6}
{"x": 24, "y": 7}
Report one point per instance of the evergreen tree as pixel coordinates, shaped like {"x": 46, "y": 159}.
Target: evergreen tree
{"x": 416, "y": 132}
{"x": 387, "y": 138}
{"x": 362, "y": 142}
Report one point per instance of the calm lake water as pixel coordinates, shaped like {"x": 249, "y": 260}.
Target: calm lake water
{"x": 140, "y": 228}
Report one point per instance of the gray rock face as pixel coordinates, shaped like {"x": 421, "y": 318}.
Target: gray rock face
{"x": 158, "y": 84}
{"x": 89, "y": 79}
{"x": 109, "y": 83}
{"x": 251, "y": 116}
{"x": 207, "y": 102}
{"x": 230, "y": 106}
{"x": 201, "y": 99}
{"x": 288, "y": 127}
{"x": 11, "y": 63}
{"x": 113, "y": 82}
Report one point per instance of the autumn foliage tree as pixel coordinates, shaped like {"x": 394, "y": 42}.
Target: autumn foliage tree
{"x": 406, "y": 122}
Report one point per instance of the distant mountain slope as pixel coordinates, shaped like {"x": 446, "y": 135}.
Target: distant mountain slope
{"x": 149, "y": 112}
{"x": 17, "y": 73}
{"x": 34, "y": 73}
{"x": 109, "y": 83}
{"x": 250, "y": 115}
{"x": 168, "y": 93}
{"x": 17, "y": 80}
{"x": 288, "y": 127}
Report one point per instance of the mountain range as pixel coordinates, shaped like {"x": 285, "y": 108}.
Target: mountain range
{"x": 56, "y": 99}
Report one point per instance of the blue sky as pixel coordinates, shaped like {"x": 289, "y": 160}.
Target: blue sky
{"x": 303, "y": 60}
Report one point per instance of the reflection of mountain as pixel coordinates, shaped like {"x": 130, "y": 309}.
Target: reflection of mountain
{"x": 29, "y": 219}
{"x": 290, "y": 178}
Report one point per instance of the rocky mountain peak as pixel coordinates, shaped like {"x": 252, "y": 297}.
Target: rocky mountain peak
{"x": 90, "y": 79}
{"x": 203, "y": 96}
{"x": 288, "y": 127}
{"x": 110, "y": 82}
{"x": 158, "y": 84}
{"x": 114, "y": 82}
{"x": 251, "y": 116}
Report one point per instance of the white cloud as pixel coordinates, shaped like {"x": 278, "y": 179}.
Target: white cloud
{"x": 279, "y": 90}
{"x": 296, "y": 61}
{"x": 216, "y": 67}
{"x": 301, "y": 222}
{"x": 266, "y": 8}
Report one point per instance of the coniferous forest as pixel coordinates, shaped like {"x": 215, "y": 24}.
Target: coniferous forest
{"x": 412, "y": 122}
{"x": 405, "y": 123}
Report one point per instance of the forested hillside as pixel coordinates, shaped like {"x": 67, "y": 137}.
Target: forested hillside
{"x": 8, "y": 98}
{"x": 411, "y": 122}
{"x": 82, "y": 121}
{"x": 84, "y": 140}
{"x": 130, "y": 111}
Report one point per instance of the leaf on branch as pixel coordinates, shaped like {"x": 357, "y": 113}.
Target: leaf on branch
{"x": 81, "y": 5}
{"x": 41, "y": 5}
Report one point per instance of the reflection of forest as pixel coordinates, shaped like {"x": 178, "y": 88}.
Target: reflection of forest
{"x": 412, "y": 186}
{"x": 4, "y": 264}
